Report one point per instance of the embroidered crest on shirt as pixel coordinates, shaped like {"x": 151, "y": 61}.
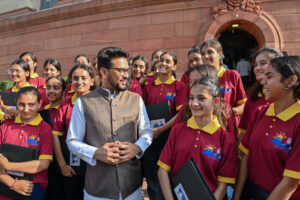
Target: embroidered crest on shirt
{"x": 170, "y": 96}
{"x": 225, "y": 89}
{"x": 281, "y": 142}
{"x": 209, "y": 151}
{"x": 33, "y": 140}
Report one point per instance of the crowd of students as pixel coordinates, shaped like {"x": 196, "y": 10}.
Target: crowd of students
{"x": 255, "y": 155}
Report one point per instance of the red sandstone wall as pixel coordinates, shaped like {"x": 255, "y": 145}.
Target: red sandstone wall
{"x": 66, "y": 31}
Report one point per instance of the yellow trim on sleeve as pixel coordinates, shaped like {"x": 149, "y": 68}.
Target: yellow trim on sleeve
{"x": 291, "y": 173}
{"x": 164, "y": 166}
{"x": 243, "y": 149}
{"x": 45, "y": 157}
{"x": 242, "y": 101}
{"x": 226, "y": 179}
{"x": 178, "y": 107}
{"x": 57, "y": 133}
{"x": 242, "y": 130}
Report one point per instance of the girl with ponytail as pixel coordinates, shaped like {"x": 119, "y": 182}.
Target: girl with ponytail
{"x": 202, "y": 138}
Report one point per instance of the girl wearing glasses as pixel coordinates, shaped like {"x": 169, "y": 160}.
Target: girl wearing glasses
{"x": 71, "y": 180}
{"x": 19, "y": 72}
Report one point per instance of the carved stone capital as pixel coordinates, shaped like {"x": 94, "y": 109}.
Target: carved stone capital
{"x": 253, "y": 6}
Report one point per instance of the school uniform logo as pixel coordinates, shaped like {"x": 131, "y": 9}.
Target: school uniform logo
{"x": 209, "y": 150}
{"x": 225, "y": 89}
{"x": 32, "y": 140}
{"x": 170, "y": 96}
{"x": 281, "y": 142}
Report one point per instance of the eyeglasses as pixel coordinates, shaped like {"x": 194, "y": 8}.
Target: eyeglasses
{"x": 11, "y": 71}
{"x": 122, "y": 71}
{"x": 55, "y": 87}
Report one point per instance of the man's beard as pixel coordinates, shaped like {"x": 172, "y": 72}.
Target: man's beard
{"x": 117, "y": 85}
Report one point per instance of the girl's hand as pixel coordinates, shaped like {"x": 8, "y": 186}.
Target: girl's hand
{"x": 23, "y": 187}
{"x": 3, "y": 162}
{"x": 6, "y": 117}
{"x": 67, "y": 171}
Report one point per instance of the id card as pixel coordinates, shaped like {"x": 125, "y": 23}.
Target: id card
{"x": 74, "y": 160}
{"x": 180, "y": 193}
{"x": 157, "y": 123}
{"x": 20, "y": 174}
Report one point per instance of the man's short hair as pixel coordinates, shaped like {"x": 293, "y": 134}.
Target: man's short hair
{"x": 107, "y": 54}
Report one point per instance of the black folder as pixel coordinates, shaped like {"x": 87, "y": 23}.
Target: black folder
{"x": 158, "y": 112}
{"x": 190, "y": 184}
{"x": 17, "y": 154}
{"x": 9, "y": 98}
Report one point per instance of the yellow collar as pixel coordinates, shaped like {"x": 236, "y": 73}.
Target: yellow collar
{"x": 71, "y": 91}
{"x": 56, "y": 107}
{"x": 34, "y": 122}
{"x": 168, "y": 82}
{"x": 151, "y": 74}
{"x": 34, "y": 75}
{"x": 44, "y": 86}
{"x": 221, "y": 71}
{"x": 287, "y": 114}
{"x": 15, "y": 89}
{"x": 73, "y": 99}
{"x": 210, "y": 128}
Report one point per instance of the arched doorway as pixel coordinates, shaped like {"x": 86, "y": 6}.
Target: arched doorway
{"x": 237, "y": 44}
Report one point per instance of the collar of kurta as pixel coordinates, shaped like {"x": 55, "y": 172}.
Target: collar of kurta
{"x": 34, "y": 75}
{"x": 15, "y": 89}
{"x": 221, "y": 71}
{"x": 35, "y": 122}
{"x": 287, "y": 114}
{"x": 210, "y": 128}
{"x": 168, "y": 82}
{"x": 56, "y": 107}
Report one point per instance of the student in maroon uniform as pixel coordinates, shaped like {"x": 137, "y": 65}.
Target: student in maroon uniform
{"x": 202, "y": 138}
{"x": 28, "y": 130}
{"x": 194, "y": 56}
{"x": 19, "y": 71}
{"x": 35, "y": 80}
{"x": 71, "y": 184}
{"x": 231, "y": 85}
{"x": 164, "y": 88}
{"x": 270, "y": 165}
{"x": 255, "y": 94}
{"x": 138, "y": 72}
{"x": 51, "y": 68}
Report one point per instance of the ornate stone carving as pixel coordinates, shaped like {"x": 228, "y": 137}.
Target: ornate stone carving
{"x": 243, "y": 5}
